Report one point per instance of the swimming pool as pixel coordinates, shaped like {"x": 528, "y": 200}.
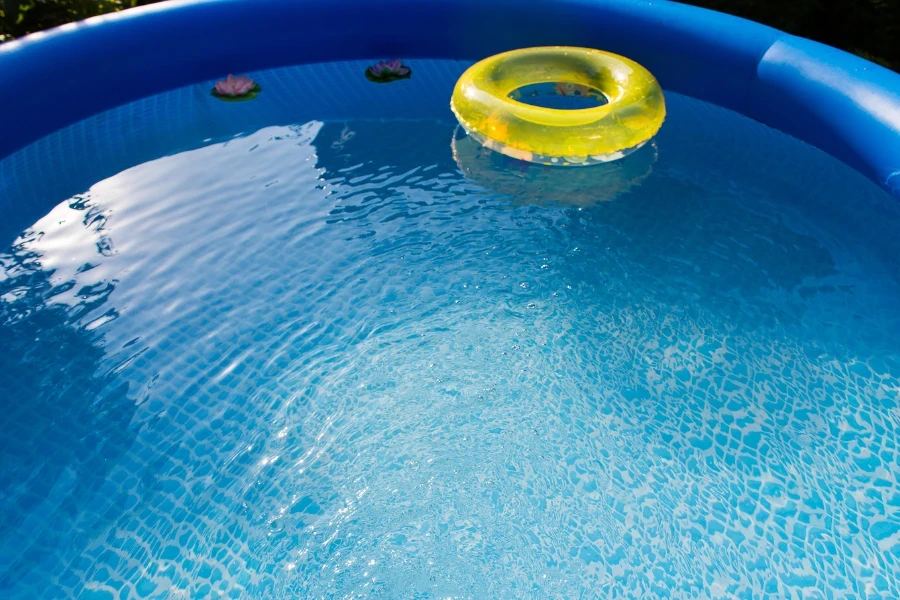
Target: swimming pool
{"x": 321, "y": 344}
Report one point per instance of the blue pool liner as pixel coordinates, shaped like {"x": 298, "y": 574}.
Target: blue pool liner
{"x": 844, "y": 105}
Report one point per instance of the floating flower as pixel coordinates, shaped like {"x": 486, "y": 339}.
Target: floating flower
{"x": 573, "y": 89}
{"x": 565, "y": 89}
{"x": 388, "y": 70}
{"x": 234, "y": 88}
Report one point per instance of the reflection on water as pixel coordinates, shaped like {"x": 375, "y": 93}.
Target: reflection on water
{"x": 526, "y": 182}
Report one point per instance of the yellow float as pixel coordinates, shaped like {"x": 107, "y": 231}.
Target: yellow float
{"x": 485, "y": 105}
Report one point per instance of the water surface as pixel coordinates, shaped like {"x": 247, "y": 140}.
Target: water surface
{"x": 320, "y": 345}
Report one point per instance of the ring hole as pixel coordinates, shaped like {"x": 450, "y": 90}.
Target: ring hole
{"x": 559, "y": 95}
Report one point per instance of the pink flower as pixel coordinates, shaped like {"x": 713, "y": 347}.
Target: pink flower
{"x": 393, "y": 67}
{"x": 235, "y": 86}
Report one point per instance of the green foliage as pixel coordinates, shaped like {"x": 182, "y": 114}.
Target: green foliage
{"x": 20, "y": 17}
{"x": 869, "y": 28}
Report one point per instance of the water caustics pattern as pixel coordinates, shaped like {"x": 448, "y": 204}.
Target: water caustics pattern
{"x": 358, "y": 358}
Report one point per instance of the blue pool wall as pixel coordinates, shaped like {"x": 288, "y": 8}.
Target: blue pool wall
{"x": 842, "y": 104}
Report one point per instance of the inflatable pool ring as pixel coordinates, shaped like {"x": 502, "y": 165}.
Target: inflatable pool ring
{"x": 531, "y": 183}
{"x": 633, "y": 113}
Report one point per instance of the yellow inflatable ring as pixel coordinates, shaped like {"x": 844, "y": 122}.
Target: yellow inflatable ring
{"x": 634, "y": 111}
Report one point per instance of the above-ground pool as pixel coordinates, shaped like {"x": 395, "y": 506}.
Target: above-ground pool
{"x": 322, "y": 344}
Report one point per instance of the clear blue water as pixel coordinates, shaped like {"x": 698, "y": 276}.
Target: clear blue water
{"x": 318, "y": 345}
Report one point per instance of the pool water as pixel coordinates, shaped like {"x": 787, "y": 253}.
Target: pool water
{"x": 321, "y": 345}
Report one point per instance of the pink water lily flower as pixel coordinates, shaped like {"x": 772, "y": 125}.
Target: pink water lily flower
{"x": 235, "y": 86}
{"x": 390, "y": 67}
